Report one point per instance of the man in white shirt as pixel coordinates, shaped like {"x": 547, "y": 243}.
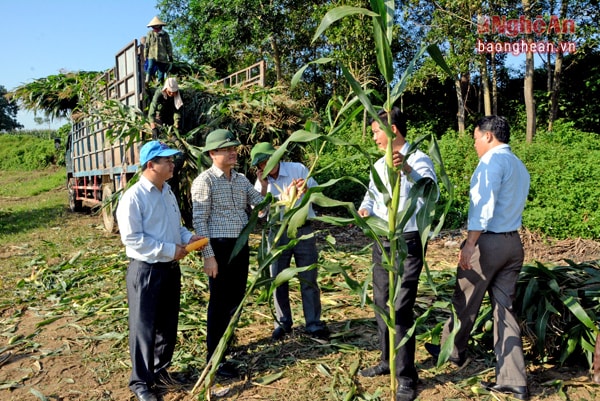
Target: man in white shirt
{"x": 283, "y": 175}
{"x": 417, "y": 166}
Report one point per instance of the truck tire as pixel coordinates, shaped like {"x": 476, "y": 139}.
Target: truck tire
{"x": 108, "y": 209}
{"x": 74, "y": 204}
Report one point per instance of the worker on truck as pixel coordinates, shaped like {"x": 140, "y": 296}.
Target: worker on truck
{"x": 165, "y": 108}
{"x": 158, "y": 51}
{"x": 164, "y": 111}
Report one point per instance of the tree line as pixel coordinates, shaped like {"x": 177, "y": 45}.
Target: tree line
{"x": 532, "y": 89}
{"x": 549, "y": 85}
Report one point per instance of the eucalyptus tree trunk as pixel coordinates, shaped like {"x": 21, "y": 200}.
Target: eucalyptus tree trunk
{"x": 276, "y": 58}
{"x": 460, "y": 114}
{"x": 485, "y": 86}
{"x": 557, "y": 76}
{"x": 528, "y": 82}
{"x": 555, "y": 91}
{"x": 494, "y": 84}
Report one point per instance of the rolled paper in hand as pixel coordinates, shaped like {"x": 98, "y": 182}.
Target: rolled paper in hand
{"x": 201, "y": 243}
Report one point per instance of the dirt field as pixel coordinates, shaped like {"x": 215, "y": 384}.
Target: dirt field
{"x": 66, "y": 360}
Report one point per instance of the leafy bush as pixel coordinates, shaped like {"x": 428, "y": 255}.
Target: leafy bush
{"x": 563, "y": 199}
{"x": 339, "y": 161}
{"x": 26, "y": 152}
{"x": 559, "y": 305}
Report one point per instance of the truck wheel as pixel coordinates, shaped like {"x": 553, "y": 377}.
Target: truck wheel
{"x": 108, "y": 209}
{"x": 74, "y": 204}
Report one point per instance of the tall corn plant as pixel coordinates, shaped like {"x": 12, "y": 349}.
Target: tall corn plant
{"x": 382, "y": 15}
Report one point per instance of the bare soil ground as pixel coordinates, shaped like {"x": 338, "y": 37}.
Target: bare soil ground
{"x": 69, "y": 362}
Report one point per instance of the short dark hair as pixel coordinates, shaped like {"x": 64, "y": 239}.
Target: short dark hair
{"x": 153, "y": 160}
{"x": 497, "y": 125}
{"x": 396, "y": 117}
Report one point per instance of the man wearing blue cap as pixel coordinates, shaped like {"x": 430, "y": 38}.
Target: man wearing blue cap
{"x": 150, "y": 225}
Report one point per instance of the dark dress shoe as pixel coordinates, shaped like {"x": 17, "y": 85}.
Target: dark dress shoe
{"x": 519, "y": 392}
{"x": 280, "y": 332}
{"x": 405, "y": 393}
{"x": 227, "y": 370}
{"x": 321, "y": 334}
{"x": 377, "y": 370}
{"x": 434, "y": 350}
{"x": 145, "y": 395}
{"x": 165, "y": 379}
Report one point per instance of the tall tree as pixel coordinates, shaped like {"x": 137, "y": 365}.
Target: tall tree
{"x": 572, "y": 27}
{"x": 8, "y": 112}
{"x": 528, "y": 78}
{"x": 452, "y": 25}
{"x": 556, "y": 77}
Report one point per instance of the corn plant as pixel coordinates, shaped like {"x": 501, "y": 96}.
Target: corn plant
{"x": 382, "y": 16}
{"x": 559, "y": 305}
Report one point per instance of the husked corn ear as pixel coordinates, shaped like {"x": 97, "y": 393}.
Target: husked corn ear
{"x": 201, "y": 243}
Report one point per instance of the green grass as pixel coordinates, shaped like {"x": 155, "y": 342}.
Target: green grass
{"x": 31, "y": 183}
{"x": 30, "y": 200}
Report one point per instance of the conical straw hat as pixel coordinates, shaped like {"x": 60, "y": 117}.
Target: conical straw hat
{"x": 156, "y": 22}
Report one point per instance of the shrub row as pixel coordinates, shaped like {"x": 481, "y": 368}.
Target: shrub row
{"x": 563, "y": 198}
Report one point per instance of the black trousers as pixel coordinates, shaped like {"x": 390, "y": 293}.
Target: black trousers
{"x": 226, "y": 290}
{"x": 153, "y": 297}
{"x": 406, "y": 371}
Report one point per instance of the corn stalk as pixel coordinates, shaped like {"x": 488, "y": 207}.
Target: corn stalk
{"x": 382, "y": 15}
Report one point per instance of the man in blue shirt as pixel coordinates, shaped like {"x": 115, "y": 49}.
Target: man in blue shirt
{"x": 492, "y": 256}
{"x": 154, "y": 238}
{"x": 282, "y": 176}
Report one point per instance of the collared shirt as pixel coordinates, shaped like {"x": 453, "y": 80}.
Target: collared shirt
{"x": 288, "y": 171}
{"x": 150, "y": 222}
{"x": 220, "y": 206}
{"x": 374, "y": 201}
{"x": 499, "y": 188}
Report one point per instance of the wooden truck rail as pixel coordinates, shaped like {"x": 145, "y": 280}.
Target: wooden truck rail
{"x": 97, "y": 167}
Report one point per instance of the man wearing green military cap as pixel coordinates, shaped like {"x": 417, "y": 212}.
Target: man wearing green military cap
{"x": 220, "y": 198}
{"x": 284, "y": 175}
{"x": 221, "y": 139}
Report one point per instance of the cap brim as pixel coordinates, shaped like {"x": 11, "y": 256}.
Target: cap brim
{"x": 227, "y": 144}
{"x": 260, "y": 158}
{"x": 163, "y": 153}
{"x": 168, "y": 152}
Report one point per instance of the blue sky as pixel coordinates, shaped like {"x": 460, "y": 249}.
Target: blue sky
{"x": 44, "y": 37}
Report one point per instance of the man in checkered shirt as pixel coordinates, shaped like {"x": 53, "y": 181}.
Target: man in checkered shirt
{"x": 220, "y": 198}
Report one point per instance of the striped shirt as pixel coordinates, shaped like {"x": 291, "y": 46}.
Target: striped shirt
{"x": 220, "y": 206}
